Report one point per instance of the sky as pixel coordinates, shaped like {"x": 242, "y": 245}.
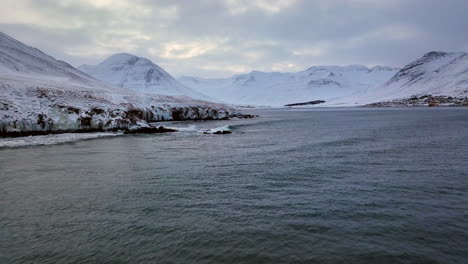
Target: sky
{"x": 220, "y": 38}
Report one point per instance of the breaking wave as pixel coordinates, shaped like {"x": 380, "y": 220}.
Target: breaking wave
{"x": 195, "y": 129}
{"x": 222, "y": 128}
{"x": 189, "y": 129}
{"x": 51, "y": 139}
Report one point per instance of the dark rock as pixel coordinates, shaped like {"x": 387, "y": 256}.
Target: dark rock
{"x": 136, "y": 113}
{"x": 150, "y": 130}
{"x": 69, "y": 109}
{"x": 41, "y": 120}
{"x": 177, "y": 113}
{"x": 307, "y": 103}
{"x": 323, "y": 82}
{"x": 244, "y": 116}
{"x": 14, "y": 134}
{"x": 224, "y": 132}
{"x": 85, "y": 121}
{"x": 96, "y": 111}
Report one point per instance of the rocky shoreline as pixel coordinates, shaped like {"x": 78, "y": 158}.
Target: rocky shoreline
{"x": 423, "y": 101}
{"x": 137, "y": 125}
{"x": 42, "y": 111}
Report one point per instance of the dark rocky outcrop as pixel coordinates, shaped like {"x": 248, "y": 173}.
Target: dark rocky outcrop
{"x": 221, "y": 132}
{"x": 224, "y": 132}
{"x": 307, "y": 103}
{"x": 14, "y": 134}
{"x": 244, "y": 116}
{"x": 150, "y": 130}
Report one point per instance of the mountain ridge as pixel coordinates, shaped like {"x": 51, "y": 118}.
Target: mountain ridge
{"x": 277, "y": 88}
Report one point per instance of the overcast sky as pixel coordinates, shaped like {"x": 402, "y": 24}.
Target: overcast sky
{"x": 218, "y": 38}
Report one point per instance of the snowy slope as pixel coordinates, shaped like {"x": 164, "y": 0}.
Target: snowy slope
{"x": 277, "y": 89}
{"x": 19, "y": 59}
{"x": 139, "y": 74}
{"x": 41, "y": 94}
{"x": 436, "y": 73}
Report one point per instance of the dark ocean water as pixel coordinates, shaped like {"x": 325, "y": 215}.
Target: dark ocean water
{"x": 292, "y": 186}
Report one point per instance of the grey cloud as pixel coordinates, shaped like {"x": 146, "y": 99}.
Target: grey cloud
{"x": 216, "y": 38}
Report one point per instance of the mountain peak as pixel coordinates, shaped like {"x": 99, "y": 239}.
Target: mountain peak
{"x": 435, "y": 54}
{"x": 136, "y": 73}
{"x": 123, "y": 55}
{"x": 121, "y": 58}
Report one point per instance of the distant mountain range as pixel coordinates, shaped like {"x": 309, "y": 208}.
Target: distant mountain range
{"x": 436, "y": 73}
{"x": 277, "y": 89}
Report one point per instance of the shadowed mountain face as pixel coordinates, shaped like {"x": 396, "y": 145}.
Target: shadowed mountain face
{"x": 436, "y": 72}
{"x": 440, "y": 74}
{"x": 139, "y": 74}
{"x": 19, "y": 59}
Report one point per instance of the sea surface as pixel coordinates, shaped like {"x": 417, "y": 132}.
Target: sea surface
{"x": 318, "y": 185}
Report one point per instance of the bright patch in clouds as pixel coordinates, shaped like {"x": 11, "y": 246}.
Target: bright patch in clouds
{"x": 106, "y": 3}
{"x": 186, "y": 50}
{"x": 285, "y": 67}
{"x": 312, "y": 51}
{"x": 269, "y": 6}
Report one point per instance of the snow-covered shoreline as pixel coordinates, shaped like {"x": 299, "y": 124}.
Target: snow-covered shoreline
{"x": 34, "y": 108}
{"x": 41, "y": 95}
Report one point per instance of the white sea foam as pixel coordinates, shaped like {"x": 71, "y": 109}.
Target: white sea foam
{"x": 51, "y": 139}
{"x": 189, "y": 129}
{"x": 195, "y": 129}
{"x": 217, "y": 129}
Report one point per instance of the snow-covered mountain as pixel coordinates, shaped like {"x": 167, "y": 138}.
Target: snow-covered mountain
{"x": 41, "y": 94}
{"x": 438, "y": 73}
{"x": 139, "y": 74}
{"x": 277, "y": 89}
{"x": 435, "y": 74}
